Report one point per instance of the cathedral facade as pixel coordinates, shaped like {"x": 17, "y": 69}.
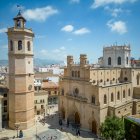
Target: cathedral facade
{"x": 89, "y": 94}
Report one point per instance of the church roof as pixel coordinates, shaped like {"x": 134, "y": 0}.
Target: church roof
{"x": 19, "y": 16}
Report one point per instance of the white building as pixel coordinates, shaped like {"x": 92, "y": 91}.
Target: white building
{"x": 116, "y": 56}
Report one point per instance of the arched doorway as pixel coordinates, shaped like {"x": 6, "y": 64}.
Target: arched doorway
{"x": 63, "y": 113}
{"x": 94, "y": 127}
{"x": 77, "y": 118}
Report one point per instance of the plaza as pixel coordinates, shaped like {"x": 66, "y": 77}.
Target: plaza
{"x": 50, "y": 130}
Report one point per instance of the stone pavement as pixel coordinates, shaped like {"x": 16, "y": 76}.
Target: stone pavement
{"x": 49, "y": 130}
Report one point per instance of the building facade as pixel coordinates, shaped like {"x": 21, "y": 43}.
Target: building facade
{"x": 89, "y": 94}
{"x": 21, "y": 74}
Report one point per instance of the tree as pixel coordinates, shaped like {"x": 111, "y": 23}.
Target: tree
{"x": 112, "y": 128}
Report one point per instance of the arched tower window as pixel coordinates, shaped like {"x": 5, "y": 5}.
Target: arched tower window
{"x": 127, "y": 60}
{"x": 138, "y": 79}
{"x": 11, "y": 45}
{"x": 129, "y": 92}
{"x": 109, "y": 60}
{"x": 19, "y": 45}
{"x": 112, "y": 97}
{"x": 118, "y": 95}
{"x": 28, "y": 46}
{"x": 119, "y": 60}
{"x": 105, "y": 99}
{"x": 123, "y": 93}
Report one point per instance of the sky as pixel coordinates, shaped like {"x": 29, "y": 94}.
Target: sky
{"x": 74, "y": 27}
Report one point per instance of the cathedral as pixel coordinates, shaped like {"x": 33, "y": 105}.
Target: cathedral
{"x": 88, "y": 94}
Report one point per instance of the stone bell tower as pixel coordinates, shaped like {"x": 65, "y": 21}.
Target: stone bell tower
{"x": 21, "y": 74}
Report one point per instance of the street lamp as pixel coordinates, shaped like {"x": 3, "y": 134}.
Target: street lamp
{"x": 17, "y": 125}
{"x": 36, "y": 126}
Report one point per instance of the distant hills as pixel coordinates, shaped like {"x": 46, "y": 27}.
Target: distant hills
{"x": 37, "y": 62}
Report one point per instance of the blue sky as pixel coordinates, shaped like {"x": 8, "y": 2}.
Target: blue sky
{"x": 72, "y": 27}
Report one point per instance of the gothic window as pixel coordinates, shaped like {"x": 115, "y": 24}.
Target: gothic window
{"x": 105, "y": 99}
{"x": 138, "y": 79}
{"x": 93, "y": 99}
{"x": 119, "y": 60}
{"x": 78, "y": 73}
{"x": 112, "y": 97}
{"x": 62, "y": 92}
{"x": 129, "y": 92}
{"x": 19, "y": 45}
{"x": 118, "y": 95}
{"x": 28, "y": 46}
{"x": 72, "y": 73}
{"x": 109, "y": 60}
{"x": 11, "y": 45}
{"x": 123, "y": 93}
{"x": 127, "y": 60}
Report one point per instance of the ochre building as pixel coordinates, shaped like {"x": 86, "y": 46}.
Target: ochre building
{"x": 89, "y": 94}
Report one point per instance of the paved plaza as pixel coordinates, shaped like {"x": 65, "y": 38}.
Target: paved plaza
{"x": 48, "y": 129}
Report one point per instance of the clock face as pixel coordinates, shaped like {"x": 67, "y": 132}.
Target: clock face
{"x": 29, "y": 87}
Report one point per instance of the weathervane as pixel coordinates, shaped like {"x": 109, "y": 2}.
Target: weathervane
{"x": 19, "y": 7}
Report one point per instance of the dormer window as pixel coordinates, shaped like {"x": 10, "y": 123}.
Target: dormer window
{"x": 19, "y": 45}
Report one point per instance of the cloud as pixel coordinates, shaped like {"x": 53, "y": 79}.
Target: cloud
{"x": 3, "y": 30}
{"x": 39, "y": 14}
{"x": 56, "y": 54}
{"x": 81, "y": 31}
{"x": 117, "y": 26}
{"x": 74, "y": 1}
{"x": 116, "y": 11}
{"x": 98, "y": 3}
{"x": 67, "y": 28}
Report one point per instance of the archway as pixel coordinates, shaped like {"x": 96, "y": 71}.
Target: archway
{"x": 94, "y": 127}
{"x": 77, "y": 118}
{"x": 63, "y": 113}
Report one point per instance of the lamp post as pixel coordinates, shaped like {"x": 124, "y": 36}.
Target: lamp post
{"x": 36, "y": 126}
{"x": 17, "y": 125}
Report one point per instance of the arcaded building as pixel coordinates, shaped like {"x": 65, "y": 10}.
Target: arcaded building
{"x": 89, "y": 94}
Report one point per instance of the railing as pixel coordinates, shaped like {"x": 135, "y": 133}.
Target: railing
{"x": 77, "y": 97}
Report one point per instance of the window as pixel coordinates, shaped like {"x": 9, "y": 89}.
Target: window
{"x": 101, "y": 81}
{"x": 127, "y": 60}
{"x": 28, "y": 46}
{"x": 5, "y": 95}
{"x": 94, "y": 81}
{"x": 119, "y": 60}
{"x": 40, "y": 101}
{"x": 78, "y": 73}
{"x": 138, "y": 80}
{"x": 62, "y": 92}
{"x": 93, "y": 99}
{"x": 19, "y": 45}
{"x": 107, "y": 80}
{"x": 76, "y": 91}
{"x": 35, "y": 107}
{"x": 113, "y": 79}
{"x": 49, "y": 92}
{"x": 129, "y": 92}
{"x": 35, "y": 101}
{"x": 55, "y": 92}
{"x": 42, "y": 106}
{"x": 105, "y": 99}
{"x": 123, "y": 93}
{"x": 118, "y": 95}
{"x": 112, "y": 97}
{"x": 109, "y": 60}
{"x": 72, "y": 73}
{"x": 11, "y": 45}
{"x": 125, "y": 79}
{"x": 5, "y": 109}
{"x": 5, "y": 102}
{"x": 75, "y": 73}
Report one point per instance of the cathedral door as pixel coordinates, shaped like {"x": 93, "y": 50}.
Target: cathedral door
{"x": 94, "y": 127}
{"x": 77, "y": 118}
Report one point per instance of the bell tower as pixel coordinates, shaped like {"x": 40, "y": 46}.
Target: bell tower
{"x": 21, "y": 74}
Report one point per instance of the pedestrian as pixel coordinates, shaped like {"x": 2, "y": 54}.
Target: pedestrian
{"x": 68, "y": 122}
{"x": 78, "y": 132}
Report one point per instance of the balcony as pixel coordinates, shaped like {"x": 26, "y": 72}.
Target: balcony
{"x": 76, "y": 97}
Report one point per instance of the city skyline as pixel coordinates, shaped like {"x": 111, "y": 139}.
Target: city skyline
{"x": 72, "y": 27}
